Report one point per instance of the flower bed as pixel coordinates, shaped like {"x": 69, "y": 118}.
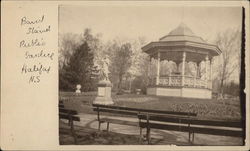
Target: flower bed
{"x": 215, "y": 109}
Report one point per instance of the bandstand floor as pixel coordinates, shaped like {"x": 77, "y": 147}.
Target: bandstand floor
{"x": 187, "y": 92}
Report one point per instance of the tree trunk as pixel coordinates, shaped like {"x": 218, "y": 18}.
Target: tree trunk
{"x": 221, "y": 87}
{"x": 120, "y": 83}
{"x": 130, "y": 83}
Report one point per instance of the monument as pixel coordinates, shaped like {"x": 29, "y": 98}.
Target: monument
{"x": 104, "y": 86}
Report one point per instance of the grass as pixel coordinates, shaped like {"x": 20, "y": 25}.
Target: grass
{"x": 205, "y": 108}
{"x": 89, "y": 136}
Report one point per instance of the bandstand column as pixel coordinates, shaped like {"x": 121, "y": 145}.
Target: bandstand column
{"x": 211, "y": 72}
{"x": 158, "y": 68}
{"x": 198, "y": 69}
{"x": 169, "y": 77}
{"x": 183, "y": 68}
{"x": 149, "y": 71}
{"x": 177, "y": 65}
{"x": 195, "y": 75}
{"x": 206, "y": 76}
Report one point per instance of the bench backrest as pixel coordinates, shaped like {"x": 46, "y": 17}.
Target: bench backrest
{"x": 217, "y": 127}
{"x": 69, "y": 117}
{"x": 61, "y": 105}
{"x": 190, "y": 120}
{"x": 187, "y": 124}
{"x": 135, "y": 111}
{"x": 67, "y": 113}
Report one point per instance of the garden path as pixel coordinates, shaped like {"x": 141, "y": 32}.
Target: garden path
{"x": 161, "y": 137}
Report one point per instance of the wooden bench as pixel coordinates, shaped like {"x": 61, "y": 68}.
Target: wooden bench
{"x": 189, "y": 124}
{"x": 131, "y": 112}
{"x": 164, "y": 121}
{"x": 69, "y": 115}
{"x": 216, "y": 127}
{"x": 117, "y": 111}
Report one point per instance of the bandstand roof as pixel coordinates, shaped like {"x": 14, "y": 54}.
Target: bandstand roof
{"x": 182, "y": 39}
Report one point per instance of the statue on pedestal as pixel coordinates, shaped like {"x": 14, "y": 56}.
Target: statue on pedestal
{"x": 105, "y": 68}
{"x": 104, "y": 86}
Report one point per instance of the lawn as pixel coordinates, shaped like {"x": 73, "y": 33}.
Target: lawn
{"x": 205, "y": 108}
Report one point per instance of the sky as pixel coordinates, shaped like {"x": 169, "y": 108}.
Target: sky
{"x": 151, "y": 22}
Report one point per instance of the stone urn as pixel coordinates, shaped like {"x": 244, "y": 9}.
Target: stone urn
{"x": 138, "y": 91}
{"x": 78, "y": 89}
{"x": 104, "y": 93}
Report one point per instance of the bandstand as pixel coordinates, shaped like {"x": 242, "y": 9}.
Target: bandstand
{"x": 181, "y": 48}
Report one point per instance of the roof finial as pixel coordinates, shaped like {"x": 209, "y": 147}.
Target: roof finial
{"x": 182, "y": 15}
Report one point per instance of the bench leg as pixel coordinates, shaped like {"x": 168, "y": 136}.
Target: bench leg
{"x": 189, "y": 136}
{"x": 191, "y": 141}
{"x": 107, "y": 126}
{"x": 140, "y": 135}
{"x": 75, "y": 137}
{"x": 148, "y": 135}
{"x": 193, "y": 138}
{"x": 73, "y": 131}
{"x": 99, "y": 125}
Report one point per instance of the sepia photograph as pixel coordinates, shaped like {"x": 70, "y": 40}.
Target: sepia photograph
{"x": 151, "y": 75}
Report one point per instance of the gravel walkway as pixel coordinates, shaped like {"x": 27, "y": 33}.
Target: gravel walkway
{"x": 123, "y": 134}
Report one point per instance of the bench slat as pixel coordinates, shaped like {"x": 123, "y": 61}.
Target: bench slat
{"x": 236, "y": 124}
{"x": 68, "y": 111}
{"x": 181, "y": 128}
{"x": 221, "y": 132}
{"x": 164, "y": 118}
{"x": 176, "y": 119}
{"x": 61, "y": 106}
{"x": 144, "y": 110}
{"x": 116, "y": 111}
{"x": 67, "y": 116}
{"x": 117, "y": 121}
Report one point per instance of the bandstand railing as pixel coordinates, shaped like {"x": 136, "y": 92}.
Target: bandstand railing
{"x": 176, "y": 80}
{"x": 170, "y": 80}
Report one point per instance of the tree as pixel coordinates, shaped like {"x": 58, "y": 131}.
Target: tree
{"x": 97, "y": 48}
{"x": 129, "y": 66}
{"x": 120, "y": 61}
{"x": 79, "y": 69}
{"x": 232, "y": 89}
{"x": 138, "y": 70}
{"x": 67, "y": 44}
{"x": 229, "y": 43}
{"x": 78, "y": 60}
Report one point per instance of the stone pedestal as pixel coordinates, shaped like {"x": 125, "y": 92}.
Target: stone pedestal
{"x": 104, "y": 93}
